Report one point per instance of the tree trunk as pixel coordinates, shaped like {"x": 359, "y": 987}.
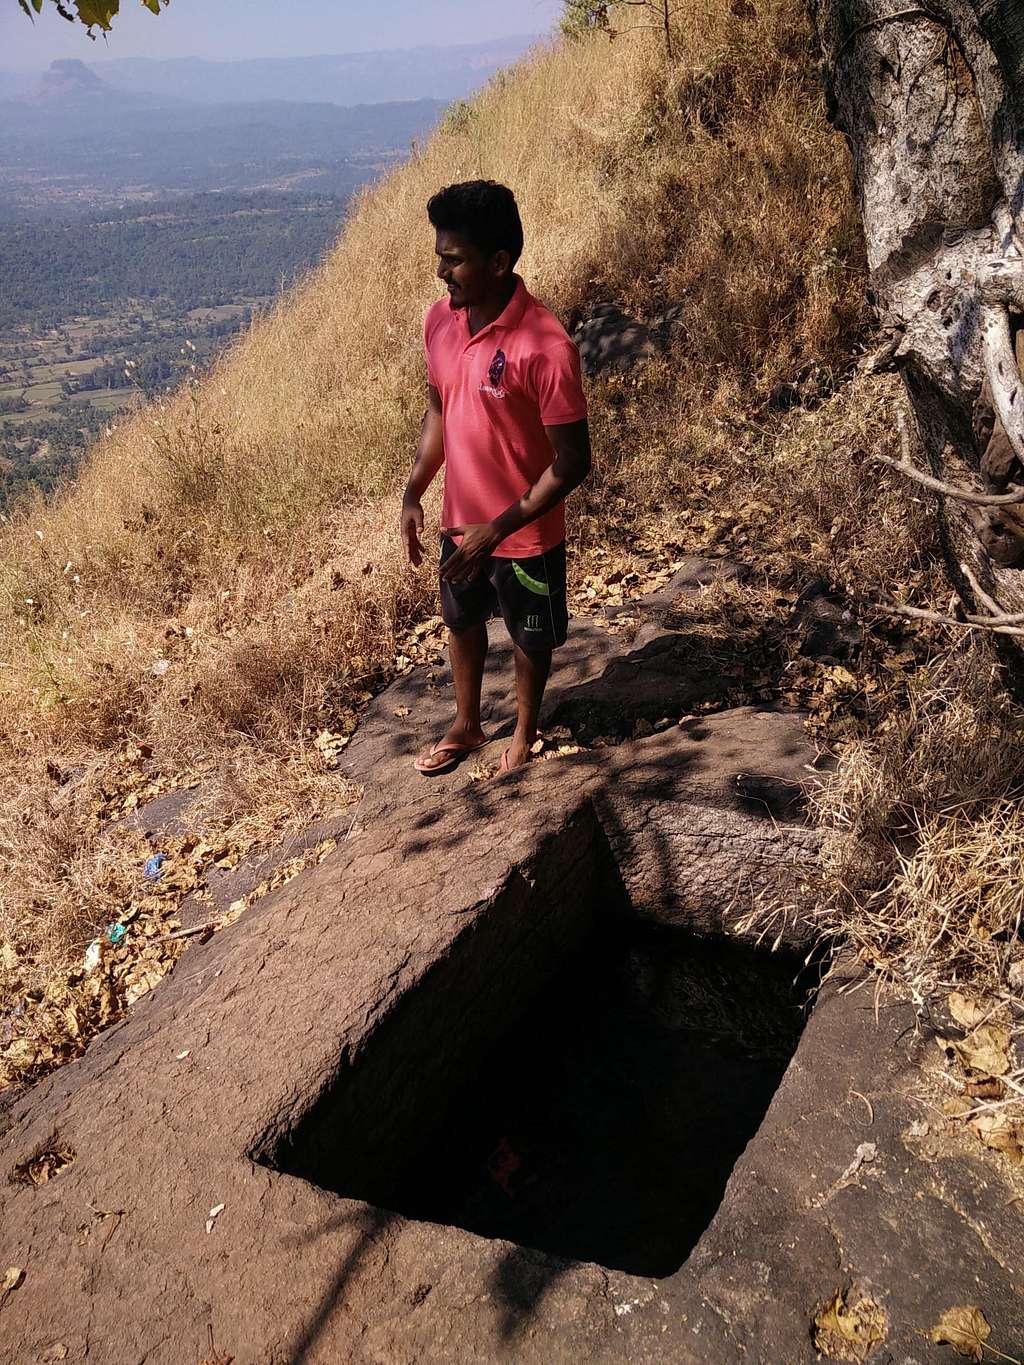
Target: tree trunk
{"x": 931, "y": 98}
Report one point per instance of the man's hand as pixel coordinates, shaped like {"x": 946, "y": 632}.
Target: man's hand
{"x": 412, "y": 530}
{"x": 467, "y": 561}
{"x": 429, "y": 459}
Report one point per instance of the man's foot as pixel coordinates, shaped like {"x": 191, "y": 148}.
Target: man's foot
{"x": 518, "y": 753}
{"x": 449, "y": 752}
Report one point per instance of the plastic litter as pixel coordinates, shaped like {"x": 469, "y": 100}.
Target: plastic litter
{"x": 151, "y": 867}
{"x": 93, "y": 955}
{"x": 116, "y": 932}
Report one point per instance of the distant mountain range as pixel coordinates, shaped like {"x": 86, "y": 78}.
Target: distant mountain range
{"x": 114, "y": 132}
{"x": 444, "y": 73}
{"x": 75, "y": 143}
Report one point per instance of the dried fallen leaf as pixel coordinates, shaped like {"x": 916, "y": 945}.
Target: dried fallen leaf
{"x": 482, "y": 772}
{"x": 966, "y": 1010}
{"x": 1000, "y": 1134}
{"x": 58, "y": 1351}
{"x": 12, "y": 1280}
{"x": 988, "y": 1088}
{"x": 987, "y": 1050}
{"x": 42, "y": 1167}
{"x": 401, "y": 712}
{"x": 848, "y": 1330}
{"x": 965, "y": 1328}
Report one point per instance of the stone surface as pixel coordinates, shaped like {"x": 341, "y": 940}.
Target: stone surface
{"x": 358, "y": 995}
{"x": 609, "y": 338}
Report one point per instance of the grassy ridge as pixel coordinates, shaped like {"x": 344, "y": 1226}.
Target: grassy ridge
{"x": 714, "y": 181}
{"x": 224, "y": 580}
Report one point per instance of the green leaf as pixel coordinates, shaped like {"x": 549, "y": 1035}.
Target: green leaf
{"x": 92, "y": 13}
{"x": 97, "y": 13}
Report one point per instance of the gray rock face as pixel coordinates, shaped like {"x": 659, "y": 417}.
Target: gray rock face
{"x": 365, "y": 990}
{"x": 611, "y": 339}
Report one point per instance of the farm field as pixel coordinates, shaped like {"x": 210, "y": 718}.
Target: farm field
{"x": 84, "y": 334}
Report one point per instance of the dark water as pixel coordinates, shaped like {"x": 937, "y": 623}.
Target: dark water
{"x": 605, "y": 1125}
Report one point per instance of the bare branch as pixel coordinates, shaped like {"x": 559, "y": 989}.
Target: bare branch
{"x": 989, "y": 603}
{"x": 937, "y": 617}
{"x": 952, "y": 490}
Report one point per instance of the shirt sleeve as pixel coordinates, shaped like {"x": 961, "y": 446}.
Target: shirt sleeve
{"x": 557, "y": 385}
{"x": 427, "y": 330}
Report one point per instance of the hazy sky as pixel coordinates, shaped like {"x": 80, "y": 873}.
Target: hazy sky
{"x": 233, "y": 29}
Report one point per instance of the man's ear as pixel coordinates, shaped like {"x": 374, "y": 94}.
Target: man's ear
{"x": 501, "y": 262}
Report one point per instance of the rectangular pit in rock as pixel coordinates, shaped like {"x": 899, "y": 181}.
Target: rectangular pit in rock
{"x": 604, "y": 1126}
{"x": 588, "y": 1101}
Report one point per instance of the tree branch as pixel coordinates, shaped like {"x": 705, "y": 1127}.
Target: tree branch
{"x": 952, "y": 490}
{"x": 937, "y": 617}
{"x": 989, "y": 603}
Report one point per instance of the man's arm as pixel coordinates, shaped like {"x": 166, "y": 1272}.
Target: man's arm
{"x": 571, "y": 465}
{"x": 429, "y": 459}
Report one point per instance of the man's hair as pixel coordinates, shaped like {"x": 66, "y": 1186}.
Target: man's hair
{"x": 483, "y": 212}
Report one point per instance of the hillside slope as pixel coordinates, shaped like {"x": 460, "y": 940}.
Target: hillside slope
{"x": 223, "y": 587}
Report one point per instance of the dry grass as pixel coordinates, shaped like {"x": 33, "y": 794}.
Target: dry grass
{"x": 921, "y": 872}
{"x": 224, "y": 580}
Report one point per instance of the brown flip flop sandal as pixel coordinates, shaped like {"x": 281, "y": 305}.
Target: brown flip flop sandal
{"x": 457, "y": 751}
{"x": 503, "y": 765}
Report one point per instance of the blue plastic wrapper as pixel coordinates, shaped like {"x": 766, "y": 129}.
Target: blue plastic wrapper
{"x": 116, "y": 932}
{"x": 152, "y": 866}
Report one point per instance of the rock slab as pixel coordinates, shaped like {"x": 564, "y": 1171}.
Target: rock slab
{"x": 362, "y": 991}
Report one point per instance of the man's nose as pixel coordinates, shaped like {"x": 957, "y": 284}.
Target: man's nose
{"x": 442, "y": 272}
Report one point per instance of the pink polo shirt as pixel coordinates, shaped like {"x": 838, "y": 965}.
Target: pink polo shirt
{"x": 499, "y": 390}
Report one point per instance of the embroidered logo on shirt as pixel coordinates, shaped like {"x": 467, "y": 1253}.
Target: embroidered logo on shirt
{"x": 495, "y": 372}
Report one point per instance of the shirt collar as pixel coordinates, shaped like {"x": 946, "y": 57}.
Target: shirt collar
{"x": 510, "y": 316}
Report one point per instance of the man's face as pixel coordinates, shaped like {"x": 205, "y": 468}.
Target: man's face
{"x": 469, "y": 276}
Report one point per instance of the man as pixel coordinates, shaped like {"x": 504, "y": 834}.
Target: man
{"x": 507, "y": 418}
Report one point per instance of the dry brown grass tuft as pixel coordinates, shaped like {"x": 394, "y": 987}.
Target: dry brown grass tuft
{"x": 921, "y": 872}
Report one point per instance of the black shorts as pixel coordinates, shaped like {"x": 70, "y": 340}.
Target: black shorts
{"x": 529, "y": 594}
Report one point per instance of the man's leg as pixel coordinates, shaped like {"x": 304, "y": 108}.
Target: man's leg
{"x": 468, "y": 651}
{"x": 465, "y": 608}
{"x": 532, "y": 669}
{"x": 531, "y": 595}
